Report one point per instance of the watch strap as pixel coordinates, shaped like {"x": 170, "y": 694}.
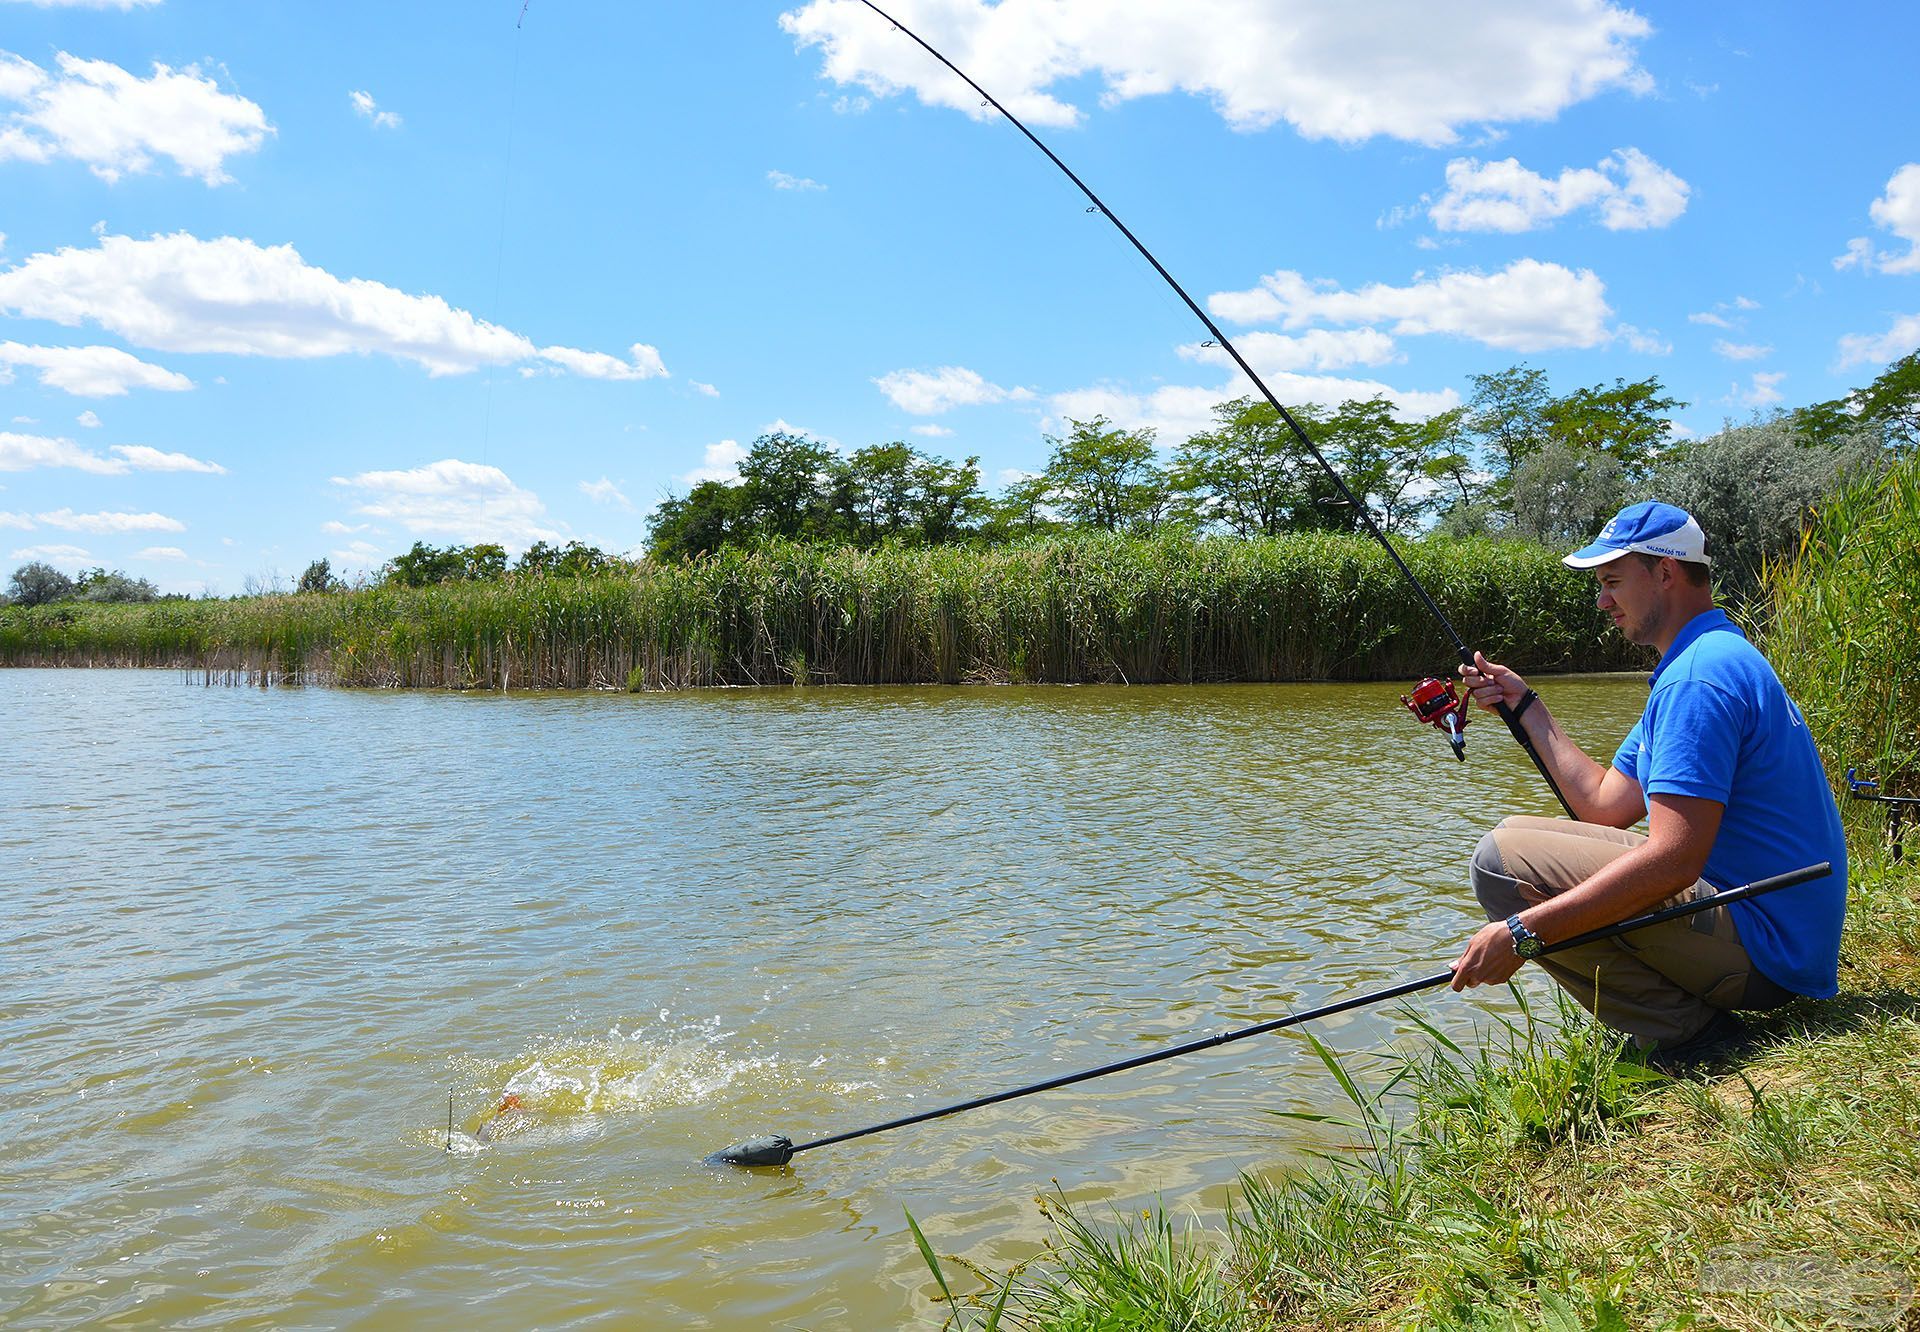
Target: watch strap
{"x": 1522, "y": 936}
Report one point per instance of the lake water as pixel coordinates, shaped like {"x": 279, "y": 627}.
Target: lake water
{"x": 253, "y": 940}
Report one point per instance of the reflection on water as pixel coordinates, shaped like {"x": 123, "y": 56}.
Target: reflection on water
{"x": 255, "y": 940}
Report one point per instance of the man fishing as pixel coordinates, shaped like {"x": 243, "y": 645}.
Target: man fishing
{"x": 1724, "y": 771}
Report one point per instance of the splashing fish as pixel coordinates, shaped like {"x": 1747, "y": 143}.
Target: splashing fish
{"x": 508, "y": 1118}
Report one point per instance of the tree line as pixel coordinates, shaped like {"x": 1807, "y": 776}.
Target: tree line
{"x": 1514, "y": 459}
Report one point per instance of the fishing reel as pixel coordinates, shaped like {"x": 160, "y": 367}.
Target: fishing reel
{"x": 1438, "y": 703}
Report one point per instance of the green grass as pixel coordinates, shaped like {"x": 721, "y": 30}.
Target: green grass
{"x": 1075, "y": 609}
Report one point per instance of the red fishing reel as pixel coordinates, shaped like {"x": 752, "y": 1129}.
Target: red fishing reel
{"x": 1438, "y": 703}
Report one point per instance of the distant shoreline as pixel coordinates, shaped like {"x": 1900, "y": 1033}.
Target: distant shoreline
{"x": 1068, "y": 610}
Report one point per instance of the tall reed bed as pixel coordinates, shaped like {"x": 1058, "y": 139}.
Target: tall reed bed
{"x": 1073, "y": 609}
{"x": 1842, "y": 627}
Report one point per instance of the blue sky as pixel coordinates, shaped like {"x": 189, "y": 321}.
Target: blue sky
{"x": 281, "y": 281}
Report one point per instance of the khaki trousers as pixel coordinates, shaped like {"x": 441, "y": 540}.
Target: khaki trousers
{"x": 1660, "y": 985}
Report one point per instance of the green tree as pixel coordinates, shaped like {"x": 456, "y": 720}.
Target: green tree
{"x": 711, "y": 515}
{"x": 1103, "y": 476}
{"x": 576, "y": 559}
{"x": 1506, "y": 418}
{"x": 37, "y": 583}
{"x": 1630, "y": 422}
{"x": 425, "y": 565}
{"x": 1019, "y": 511}
{"x": 882, "y": 490}
{"x": 948, "y": 501}
{"x": 1891, "y": 404}
{"x": 1384, "y": 461}
{"x": 318, "y": 578}
{"x": 1248, "y": 473}
{"x": 789, "y": 483}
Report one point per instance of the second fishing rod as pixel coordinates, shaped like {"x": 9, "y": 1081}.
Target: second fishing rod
{"x": 1426, "y": 703}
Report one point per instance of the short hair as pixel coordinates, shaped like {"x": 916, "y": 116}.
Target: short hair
{"x": 1700, "y": 575}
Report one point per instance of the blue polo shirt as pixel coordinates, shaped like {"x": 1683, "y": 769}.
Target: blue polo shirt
{"x": 1719, "y": 726}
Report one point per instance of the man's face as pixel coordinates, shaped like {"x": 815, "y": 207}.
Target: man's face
{"x": 1632, "y": 594}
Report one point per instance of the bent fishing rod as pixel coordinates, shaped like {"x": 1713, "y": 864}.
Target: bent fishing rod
{"x": 1426, "y": 705}
{"x": 776, "y": 1149}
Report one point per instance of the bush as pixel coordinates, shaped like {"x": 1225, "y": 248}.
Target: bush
{"x": 36, "y": 584}
{"x": 1753, "y": 486}
{"x": 113, "y": 586}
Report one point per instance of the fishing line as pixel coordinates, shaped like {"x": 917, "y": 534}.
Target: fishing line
{"x": 776, "y": 1149}
{"x": 500, "y": 245}
{"x": 1361, "y": 512}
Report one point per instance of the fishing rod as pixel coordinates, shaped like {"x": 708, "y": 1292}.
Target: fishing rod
{"x": 1455, "y": 731}
{"x": 776, "y": 1149}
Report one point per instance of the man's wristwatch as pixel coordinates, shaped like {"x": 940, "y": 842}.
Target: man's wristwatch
{"x": 1525, "y": 942}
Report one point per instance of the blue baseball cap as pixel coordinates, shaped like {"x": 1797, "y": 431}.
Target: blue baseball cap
{"x": 1646, "y": 528}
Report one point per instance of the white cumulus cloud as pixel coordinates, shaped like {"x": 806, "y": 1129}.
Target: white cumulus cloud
{"x": 780, "y": 180}
{"x": 183, "y": 294}
{"x": 1629, "y": 190}
{"x": 1761, "y": 390}
{"x": 91, "y": 372}
{"x": 464, "y": 501}
{"x": 1176, "y": 412}
{"x": 1741, "y": 351}
{"x": 1526, "y": 306}
{"x": 1874, "y": 348}
{"x": 645, "y": 363}
{"x": 606, "y": 491}
{"x": 357, "y": 557}
{"x": 143, "y": 458}
{"x": 110, "y": 523}
{"x": 18, "y": 521}
{"x": 720, "y": 462}
{"x": 364, "y": 105}
{"x": 1897, "y": 211}
{"x": 62, "y": 554}
{"x": 118, "y": 123}
{"x": 21, "y": 453}
{"x": 172, "y": 553}
{"x": 931, "y": 429}
{"x": 88, "y": 419}
{"x": 1419, "y": 72}
{"x": 931, "y": 392}
{"x": 1317, "y": 349}
{"x": 122, "y": 5}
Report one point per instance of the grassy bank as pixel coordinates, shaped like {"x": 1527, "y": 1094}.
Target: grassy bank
{"x": 1085, "y": 608}
{"x": 1547, "y": 1179}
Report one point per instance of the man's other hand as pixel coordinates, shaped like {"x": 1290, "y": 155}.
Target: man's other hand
{"x": 1489, "y": 959}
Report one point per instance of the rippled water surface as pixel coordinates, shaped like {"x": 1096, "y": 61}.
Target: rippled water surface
{"x": 253, "y": 940}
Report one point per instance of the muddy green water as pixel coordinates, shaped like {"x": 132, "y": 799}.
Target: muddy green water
{"x": 252, "y": 940}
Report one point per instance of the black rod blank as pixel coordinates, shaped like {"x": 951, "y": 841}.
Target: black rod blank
{"x": 777, "y": 1149}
